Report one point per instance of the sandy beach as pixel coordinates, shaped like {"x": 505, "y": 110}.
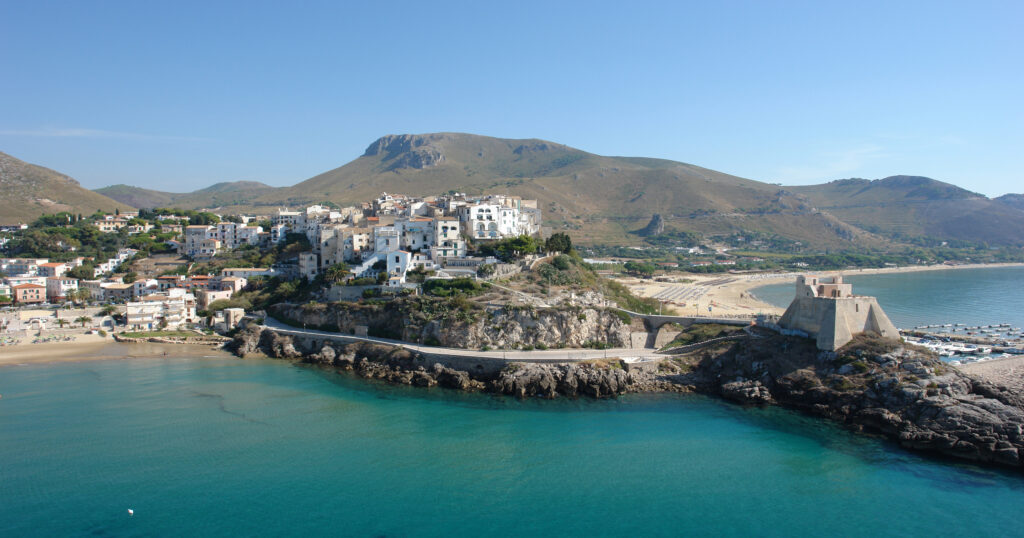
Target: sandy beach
{"x": 729, "y": 294}
{"x": 98, "y": 349}
{"x": 1007, "y": 371}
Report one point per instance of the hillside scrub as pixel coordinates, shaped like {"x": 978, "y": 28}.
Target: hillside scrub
{"x": 457, "y": 286}
{"x": 701, "y": 333}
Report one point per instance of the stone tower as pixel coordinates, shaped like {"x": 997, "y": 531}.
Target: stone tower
{"x": 826, "y": 310}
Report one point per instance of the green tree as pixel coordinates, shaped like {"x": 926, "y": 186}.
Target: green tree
{"x": 82, "y": 272}
{"x": 108, "y": 310}
{"x": 485, "y": 270}
{"x": 79, "y": 296}
{"x": 336, "y": 273}
{"x": 83, "y": 320}
{"x": 640, "y": 268}
{"x": 559, "y": 242}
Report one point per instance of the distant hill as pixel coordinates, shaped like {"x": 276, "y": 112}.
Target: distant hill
{"x": 28, "y": 191}
{"x": 138, "y": 196}
{"x": 1012, "y": 200}
{"x": 918, "y": 206}
{"x": 602, "y": 199}
{"x": 596, "y": 198}
{"x": 221, "y": 194}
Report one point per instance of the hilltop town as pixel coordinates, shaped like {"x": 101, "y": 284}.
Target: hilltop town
{"x": 375, "y": 245}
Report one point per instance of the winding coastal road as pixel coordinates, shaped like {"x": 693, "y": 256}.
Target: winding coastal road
{"x": 549, "y": 356}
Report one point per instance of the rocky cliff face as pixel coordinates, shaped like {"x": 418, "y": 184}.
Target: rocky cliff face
{"x": 654, "y": 227}
{"x": 453, "y": 324}
{"x": 407, "y": 151}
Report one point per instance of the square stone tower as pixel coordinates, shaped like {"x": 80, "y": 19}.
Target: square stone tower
{"x": 826, "y": 310}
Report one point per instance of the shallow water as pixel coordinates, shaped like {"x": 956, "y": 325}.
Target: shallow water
{"x": 980, "y": 296}
{"x": 217, "y": 446}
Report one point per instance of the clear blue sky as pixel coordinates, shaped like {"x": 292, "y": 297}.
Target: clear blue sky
{"x": 179, "y": 95}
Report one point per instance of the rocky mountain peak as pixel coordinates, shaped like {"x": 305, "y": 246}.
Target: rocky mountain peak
{"x": 407, "y": 151}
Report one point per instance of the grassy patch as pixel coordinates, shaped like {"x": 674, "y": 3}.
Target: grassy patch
{"x": 701, "y": 333}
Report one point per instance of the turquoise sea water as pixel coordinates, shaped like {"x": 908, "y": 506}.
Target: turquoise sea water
{"x": 981, "y": 296}
{"x": 221, "y": 446}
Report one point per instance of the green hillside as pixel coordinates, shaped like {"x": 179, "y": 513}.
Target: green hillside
{"x": 28, "y": 191}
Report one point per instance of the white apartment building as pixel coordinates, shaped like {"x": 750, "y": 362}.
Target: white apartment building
{"x": 200, "y": 240}
{"x": 177, "y": 308}
{"x": 233, "y": 235}
{"x": 58, "y": 288}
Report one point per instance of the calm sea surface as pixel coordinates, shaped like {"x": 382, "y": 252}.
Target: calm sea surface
{"x": 221, "y": 446}
{"x": 972, "y": 296}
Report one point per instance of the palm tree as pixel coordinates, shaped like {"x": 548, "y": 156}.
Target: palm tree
{"x": 336, "y": 273}
{"x": 81, "y": 295}
{"x": 61, "y": 323}
{"x": 83, "y": 320}
{"x": 108, "y": 310}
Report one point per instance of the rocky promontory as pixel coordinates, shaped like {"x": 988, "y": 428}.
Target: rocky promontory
{"x": 904, "y": 393}
{"x": 597, "y": 379}
{"x": 875, "y": 386}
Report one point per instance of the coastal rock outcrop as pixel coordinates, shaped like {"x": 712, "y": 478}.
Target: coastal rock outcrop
{"x": 597, "y": 379}
{"x": 877, "y": 386}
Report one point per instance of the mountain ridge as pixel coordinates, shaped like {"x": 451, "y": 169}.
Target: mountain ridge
{"x": 603, "y": 199}
{"x": 223, "y": 193}
{"x": 29, "y": 190}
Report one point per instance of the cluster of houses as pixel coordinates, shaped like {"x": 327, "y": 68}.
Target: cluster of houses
{"x": 114, "y": 223}
{"x": 392, "y": 234}
{"x": 38, "y": 280}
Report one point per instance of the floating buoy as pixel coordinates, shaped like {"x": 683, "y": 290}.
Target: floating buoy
{"x": 131, "y": 512}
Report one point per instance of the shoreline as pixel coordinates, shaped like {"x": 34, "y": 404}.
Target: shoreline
{"x": 736, "y": 298}
{"x": 71, "y": 352}
{"x": 1006, "y": 371}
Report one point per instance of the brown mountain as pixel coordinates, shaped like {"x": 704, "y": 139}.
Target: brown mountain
{"x": 1012, "y": 200}
{"x": 232, "y": 193}
{"x": 596, "y": 198}
{"x": 28, "y": 191}
{"x": 918, "y": 206}
{"x": 601, "y": 199}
